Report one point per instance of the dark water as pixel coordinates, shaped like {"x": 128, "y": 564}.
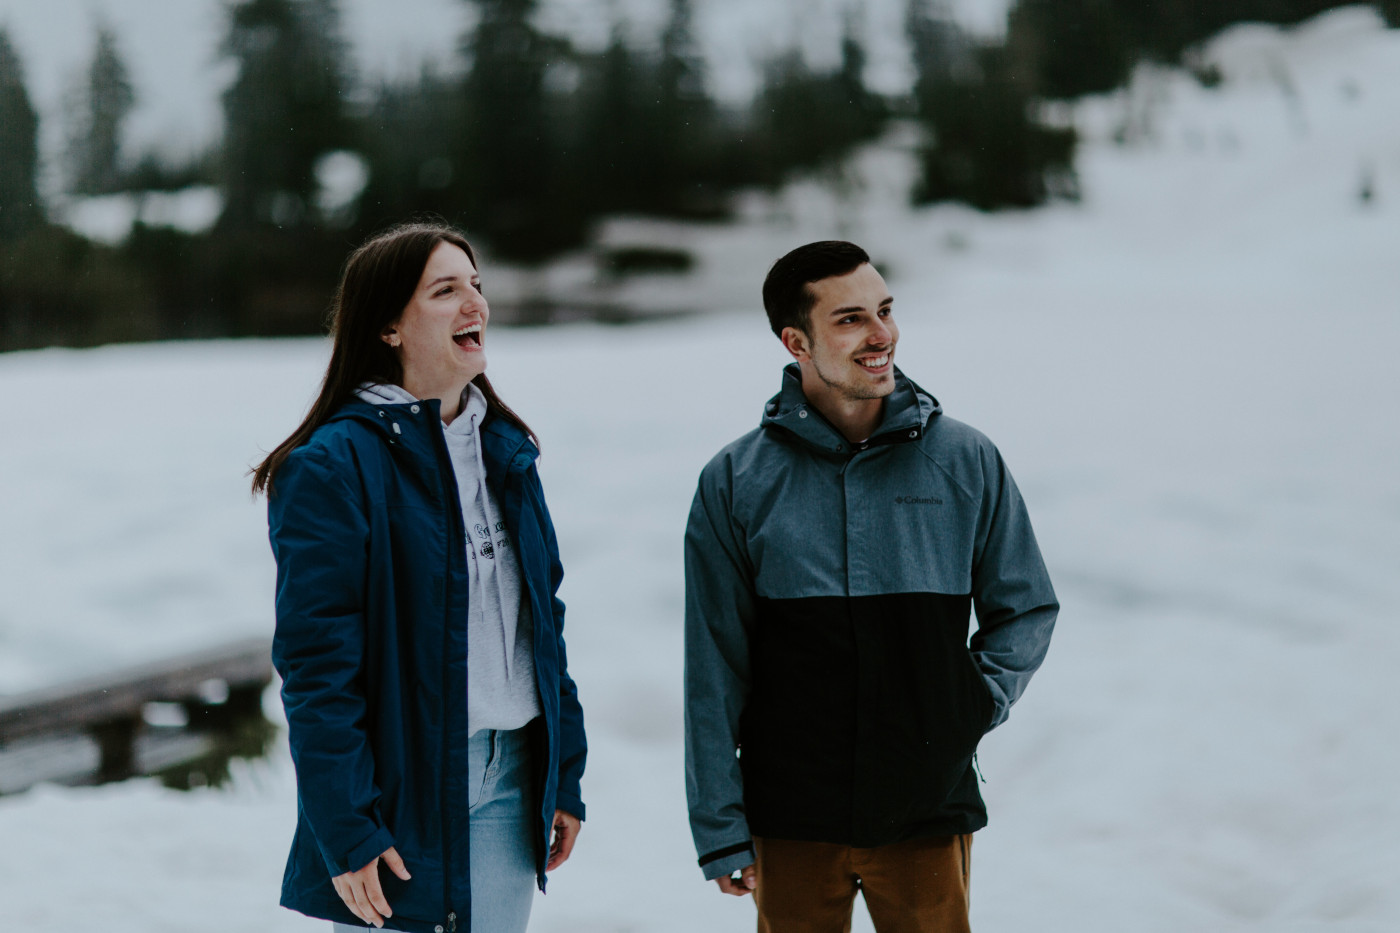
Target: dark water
{"x": 185, "y": 748}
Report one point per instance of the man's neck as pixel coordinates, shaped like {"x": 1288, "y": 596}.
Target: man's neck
{"x": 855, "y": 418}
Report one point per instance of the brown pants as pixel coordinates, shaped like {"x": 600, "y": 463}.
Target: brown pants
{"x": 919, "y": 886}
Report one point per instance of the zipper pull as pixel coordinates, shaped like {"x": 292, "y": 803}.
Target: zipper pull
{"x": 452, "y": 923}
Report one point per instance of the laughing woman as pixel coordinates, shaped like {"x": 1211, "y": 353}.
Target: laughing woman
{"x": 436, "y": 733}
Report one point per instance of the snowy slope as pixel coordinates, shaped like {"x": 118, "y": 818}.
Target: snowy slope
{"x": 1192, "y": 375}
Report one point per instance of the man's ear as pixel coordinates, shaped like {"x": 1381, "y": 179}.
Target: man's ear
{"x": 797, "y": 343}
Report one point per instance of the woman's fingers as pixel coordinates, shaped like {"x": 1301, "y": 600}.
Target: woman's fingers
{"x": 375, "y": 894}
{"x": 347, "y": 894}
{"x": 366, "y": 911}
{"x": 396, "y": 865}
{"x": 361, "y": 891}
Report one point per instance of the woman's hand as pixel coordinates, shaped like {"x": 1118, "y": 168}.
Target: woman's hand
{"x": 566, "y": 827}
{"x": 361, "y": 892}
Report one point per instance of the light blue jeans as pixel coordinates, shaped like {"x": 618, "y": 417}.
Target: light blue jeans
{"x": 502, "y": 827}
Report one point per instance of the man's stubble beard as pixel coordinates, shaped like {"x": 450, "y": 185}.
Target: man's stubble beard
{"x": 854, "y": 391}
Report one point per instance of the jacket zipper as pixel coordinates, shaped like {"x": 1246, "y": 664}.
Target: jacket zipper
{"x": 440, "y": 445}
{"x": 516, "y": 476}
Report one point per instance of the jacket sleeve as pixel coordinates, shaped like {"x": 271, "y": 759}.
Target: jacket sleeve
{"x": 573, "y": 742}
{"x": 719, "y": 605}
{"x": 1012, "y": 596}
{"x": 320, "y": 539}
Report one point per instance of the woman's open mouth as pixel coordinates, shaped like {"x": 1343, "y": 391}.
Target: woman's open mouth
{"x": 468, "y": 337}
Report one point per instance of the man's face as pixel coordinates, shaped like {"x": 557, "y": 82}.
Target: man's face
{"x": 852, "y": 333}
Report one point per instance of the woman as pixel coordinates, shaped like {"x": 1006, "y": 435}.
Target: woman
{"x": 437, "y": 737}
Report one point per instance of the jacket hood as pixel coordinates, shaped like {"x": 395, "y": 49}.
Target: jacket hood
{"x": 384, "y": 394}
{"x": 908, "y": 410}
{"x": 411, "y": 422}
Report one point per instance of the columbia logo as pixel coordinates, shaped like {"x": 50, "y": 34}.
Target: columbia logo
{"x": 917, "y": 500}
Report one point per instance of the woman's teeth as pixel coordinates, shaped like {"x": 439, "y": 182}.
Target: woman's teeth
{"x": 471, "y": 333}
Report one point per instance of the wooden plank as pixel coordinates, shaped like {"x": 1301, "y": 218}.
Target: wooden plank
{"x": 121, "y": 694}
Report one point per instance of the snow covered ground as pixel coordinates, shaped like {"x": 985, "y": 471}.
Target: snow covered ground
{"x": 1192, "y": 374}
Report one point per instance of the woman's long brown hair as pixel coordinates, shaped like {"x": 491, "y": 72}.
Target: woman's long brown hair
{"x": 379, "y": 279}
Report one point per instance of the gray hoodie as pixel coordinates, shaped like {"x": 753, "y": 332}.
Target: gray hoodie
{"x": 501, "y": 690}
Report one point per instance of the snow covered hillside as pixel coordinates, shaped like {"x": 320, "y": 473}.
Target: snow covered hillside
{"x": 1192, "y": 375}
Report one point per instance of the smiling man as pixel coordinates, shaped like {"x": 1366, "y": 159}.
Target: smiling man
{"x": 833, "y": 557}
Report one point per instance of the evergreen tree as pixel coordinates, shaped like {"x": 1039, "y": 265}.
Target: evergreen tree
{"x": 858, "y": 114}
{"x": 804, "y": 119}
{"x": 409, "y": 139}
{"x": 510, "y": 149}
{"x": 985, "y": 146}
{"x": 283, "y": 111}
{"x": 614, "y": 129}
{"x": 941, "y": 52}
{"x": 678, "y": 144}
{"x": 19, "y": 152}
{"x": 1072, "y": 47}
{"x": 105, "y": 100}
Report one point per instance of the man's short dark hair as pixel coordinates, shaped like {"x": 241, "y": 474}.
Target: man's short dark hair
{"x": 786, "y": 297}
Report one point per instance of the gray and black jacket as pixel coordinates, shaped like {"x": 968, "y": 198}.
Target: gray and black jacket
{"x": 830, "y": 691}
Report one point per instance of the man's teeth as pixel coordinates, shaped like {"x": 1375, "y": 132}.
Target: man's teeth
{"x": 876, "y": 362}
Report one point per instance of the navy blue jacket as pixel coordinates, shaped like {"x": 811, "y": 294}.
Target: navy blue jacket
{"x": 371, "y": 645}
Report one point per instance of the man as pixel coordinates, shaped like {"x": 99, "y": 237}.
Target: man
{"x": 833, "y": 704}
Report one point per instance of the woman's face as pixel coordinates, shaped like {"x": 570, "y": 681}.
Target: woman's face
{"x": 440, "y": 333}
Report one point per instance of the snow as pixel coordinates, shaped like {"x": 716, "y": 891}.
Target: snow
{"x": 1192, "y": 375}
{"x": 109, "y": 218}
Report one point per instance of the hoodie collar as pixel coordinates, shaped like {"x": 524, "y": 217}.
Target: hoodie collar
{"x": 401, "y": 418}
{"x": 908, "y": 410}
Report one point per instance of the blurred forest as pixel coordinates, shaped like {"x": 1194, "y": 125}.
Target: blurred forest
{"x": 526, "y": 141}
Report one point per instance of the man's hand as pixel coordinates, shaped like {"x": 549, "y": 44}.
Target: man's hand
{"x": 746, "y": 882}
{"x": 566, "y": 827}
{"x": 361, "y": 892}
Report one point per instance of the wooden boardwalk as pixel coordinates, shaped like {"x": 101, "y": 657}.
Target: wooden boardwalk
{"x": 215, "y": 687}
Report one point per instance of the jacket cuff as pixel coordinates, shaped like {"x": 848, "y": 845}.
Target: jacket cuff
{"x": 727, "y": 861}
{"x": 569, "y": 804}
{"x": 362, "y": 854}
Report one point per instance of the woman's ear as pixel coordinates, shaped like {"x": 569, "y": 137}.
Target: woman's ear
{"x": 390, "y": 336}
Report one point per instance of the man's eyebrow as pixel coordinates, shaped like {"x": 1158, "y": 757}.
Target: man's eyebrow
{"x": 852, "y": 308}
